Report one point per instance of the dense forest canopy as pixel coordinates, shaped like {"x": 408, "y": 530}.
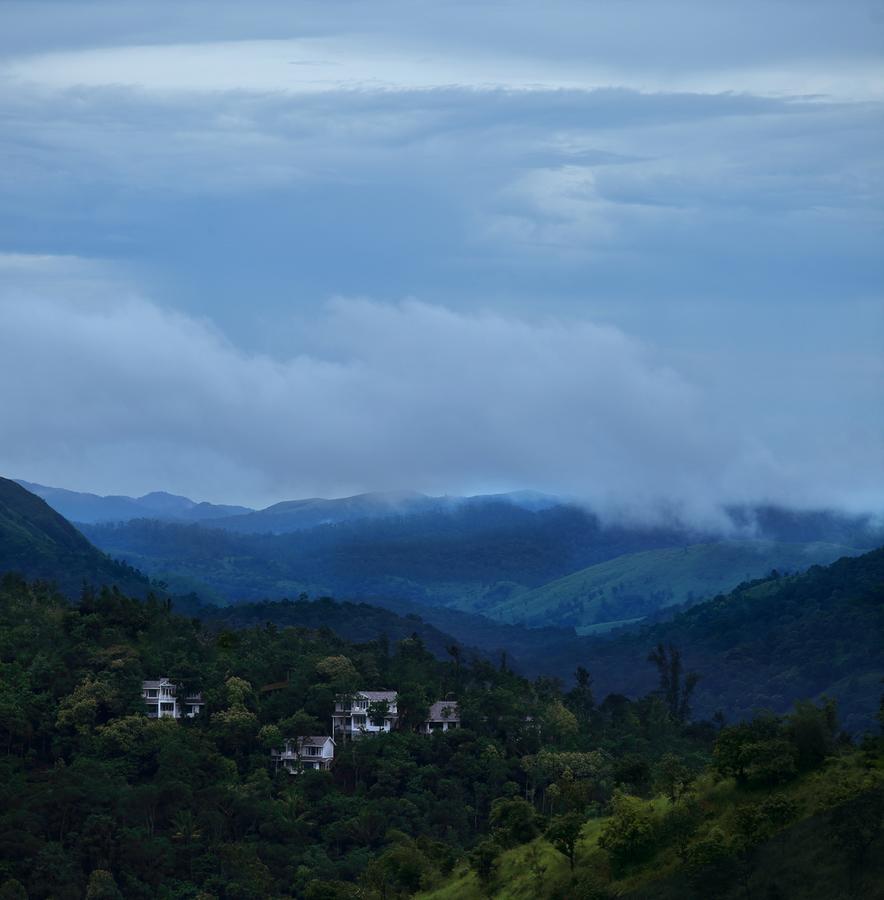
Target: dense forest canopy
{"x": 100, "y": 801}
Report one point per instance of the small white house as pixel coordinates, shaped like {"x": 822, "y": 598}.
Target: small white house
{"x": 444, "y": 716}
{"x": 160, "y": 698}
{"x": 351, "y": 716}
{"x": 311, "y": 752}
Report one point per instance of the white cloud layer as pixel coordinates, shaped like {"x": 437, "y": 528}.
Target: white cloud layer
{"x": 372, "y": 396}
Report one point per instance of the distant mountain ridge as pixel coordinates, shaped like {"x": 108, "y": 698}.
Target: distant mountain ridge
{"x": 78, "y": 506}
{"x": 37, "y": 542}
{"x": 279, "y": 518}
{"x": 299, "y": 515}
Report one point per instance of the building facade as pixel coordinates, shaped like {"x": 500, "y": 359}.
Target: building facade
{"x": 352, "y": 716}
{"x": 160, "y": 698}
{"x": 300, "y": 754}
{"x": 444, "y": 716}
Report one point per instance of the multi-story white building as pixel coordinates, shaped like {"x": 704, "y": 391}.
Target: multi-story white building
{"x": 444, "y": 716}
{"x": 160, "y": 698}
{"x": 352, "y": 719}
{"x": 311, "y": 752}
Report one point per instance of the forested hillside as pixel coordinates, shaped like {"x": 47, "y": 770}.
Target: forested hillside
{"x": 769, "y": 642}
{"x": 98, "y": 800}
{"x": 764, "y": 645}
{"x": 37, "y": 542}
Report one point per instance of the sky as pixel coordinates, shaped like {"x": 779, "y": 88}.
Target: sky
{"x": 625, "y": 251}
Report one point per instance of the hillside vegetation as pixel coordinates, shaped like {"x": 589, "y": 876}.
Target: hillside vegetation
{"x": 636, "y": 584}
{"x": 543, "y": 790}
{"x": 762, "y": 646}
{"x": 38, "y": 543}
{"x": 817, "y": 836}
{"x": 766, "y": 643}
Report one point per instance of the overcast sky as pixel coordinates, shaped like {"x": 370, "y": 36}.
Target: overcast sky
{"x": 628, "y": 251}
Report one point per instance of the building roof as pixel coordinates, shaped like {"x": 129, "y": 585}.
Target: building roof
{"x": 315, "y": 740}
{"x": 156, "y": 683}
{"x": 444, "y": 711}
{"x": 375, "y": 696}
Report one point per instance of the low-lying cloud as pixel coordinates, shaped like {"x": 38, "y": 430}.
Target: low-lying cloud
{"x": 101, "y": 389}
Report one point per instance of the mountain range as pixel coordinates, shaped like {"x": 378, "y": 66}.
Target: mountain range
{"x": 520, "y": 558}
{"x": 279, "y": 518}
{"x": 84, "y": 507}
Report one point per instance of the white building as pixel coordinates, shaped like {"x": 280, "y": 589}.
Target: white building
{"x": 162, "y": 703}
{"x": 444, "y": 716}
{"x": 351, "y": 716}
{"x": 311, "y": 752}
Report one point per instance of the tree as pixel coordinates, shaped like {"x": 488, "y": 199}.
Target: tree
{"x": 102, "y": 886}
{"x": 711, "y": 864}
{"x": 628, "y": 835}
{"x": 855, "y": 827}
{"x": 12, "y": 889}
{"x": 674, "y": 778}
{"x": 675, "y": 687}
{"x": 484, "y": 860}
{"x": 339, "y": 670}
{"x": 564, "y": 832}
{"x": 580, "y": 700}
{"x": 513, "y": 821}
{"x": 90, "y": 704}
{"x": 536, "y": 867}
{"x": 812, "y": 730}
{"x": 560, "y": 722}
{"x": 755, "y": 752}
{"x": 680, "y": 825}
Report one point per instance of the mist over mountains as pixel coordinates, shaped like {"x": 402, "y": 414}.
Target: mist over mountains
{"x": 438, "y": 574}
{"x": 765, "y": 522}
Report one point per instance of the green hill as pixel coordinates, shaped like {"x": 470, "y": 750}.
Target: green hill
{"x": 806, "y": 848}
{"x": 631, "y": 586}
{"x": 39, "y": 543}
{"x": 763, "y": 645}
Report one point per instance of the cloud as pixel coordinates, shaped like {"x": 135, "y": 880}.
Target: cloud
{"x": 667, "y": 212}
{"x": 808, "y": 46}
{"x": 115, "y": 390}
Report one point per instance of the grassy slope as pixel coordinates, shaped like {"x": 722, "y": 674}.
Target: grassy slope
{"x": 39, "y": 543}
{"x": 633, "y": 585}
{"x": 801, "y": 859}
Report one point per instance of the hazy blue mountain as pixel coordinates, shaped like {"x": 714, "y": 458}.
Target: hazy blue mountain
{"x": 476, "y": 555}
{"x": 299, "y": 515}
{"x": 91, "y": 508}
